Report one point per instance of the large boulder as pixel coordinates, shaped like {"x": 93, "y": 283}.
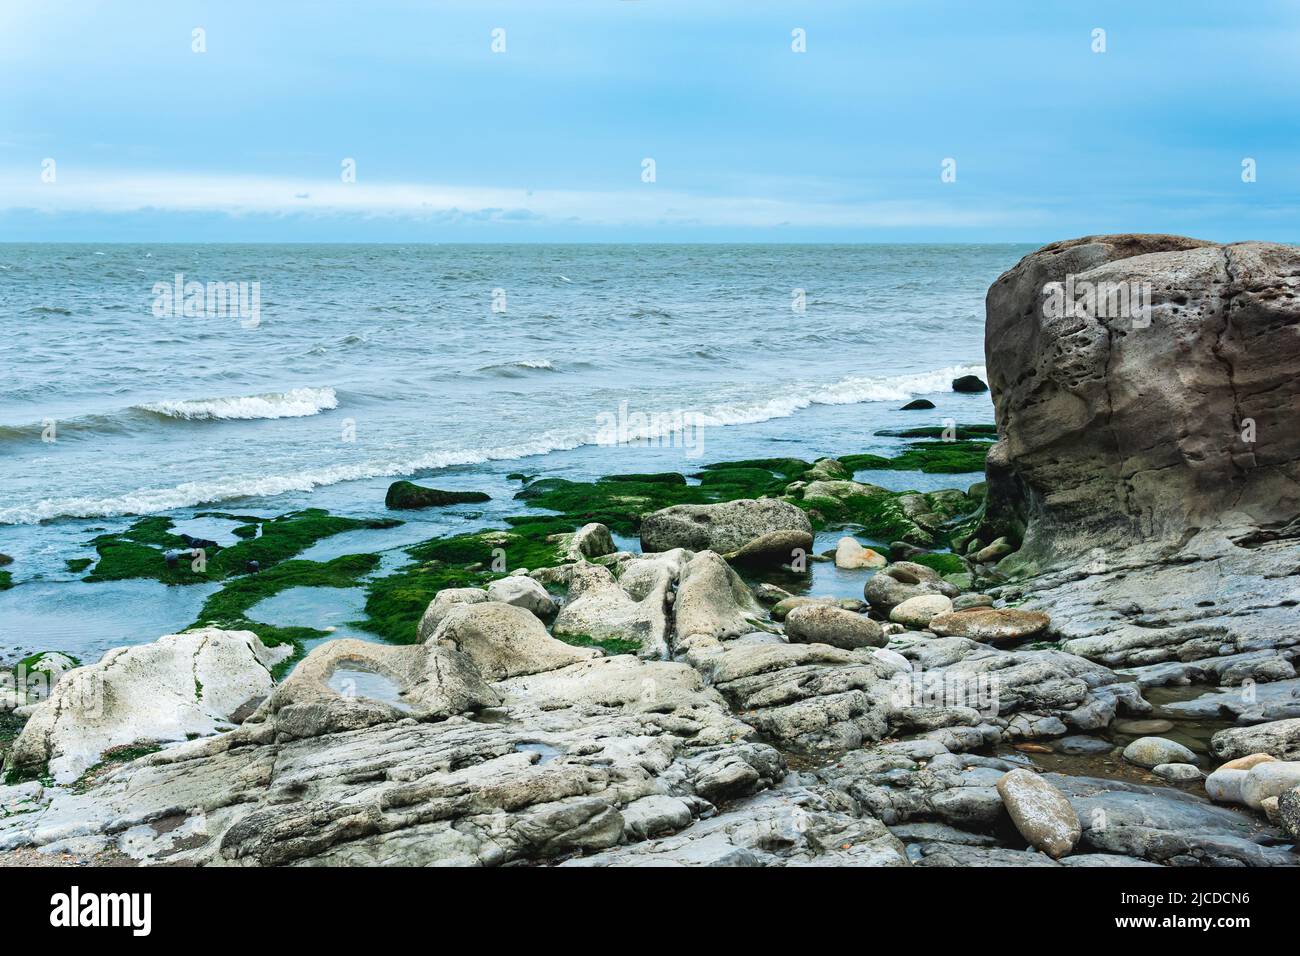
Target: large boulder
{"x": 1117, "y": 429}
{"x": 505, "y": 641}
{"x": 712, "y": 604}
{"x": 443, "y": 602}
{"x": 179, "y": 686}
{"x": 757, "y": 529}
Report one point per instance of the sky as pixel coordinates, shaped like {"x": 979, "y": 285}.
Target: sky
{"x": 113, "y": 127}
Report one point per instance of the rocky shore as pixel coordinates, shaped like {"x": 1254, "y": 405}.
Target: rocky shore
{"x": 1086, "y": 660}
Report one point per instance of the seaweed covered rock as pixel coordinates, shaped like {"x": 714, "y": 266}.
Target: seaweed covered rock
{"x": 405, "y": 494}
{"x": 178, "y": 686}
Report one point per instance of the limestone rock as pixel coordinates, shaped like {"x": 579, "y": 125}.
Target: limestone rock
{"x": 1279, "y": 738}
{"x": 522, "y": 591}
{"x": 505, "y": 641}
{"x": 443, "y": 602}
{"x": 1118, "y": 448}
{"x": 827, "y": 624}
{"x": 347, "y": 684}
{"x": 901, "y": 580}
{"x": 851, "y": 555}
{"x": 177, "y": 686}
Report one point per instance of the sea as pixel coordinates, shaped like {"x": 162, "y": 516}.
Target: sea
{"x": 140, "y": 379}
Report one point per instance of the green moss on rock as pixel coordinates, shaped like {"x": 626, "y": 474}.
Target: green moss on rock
{"x": 405, "y": 494}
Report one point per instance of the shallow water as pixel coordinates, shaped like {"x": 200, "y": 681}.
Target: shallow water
{"x": 355, "y": 682}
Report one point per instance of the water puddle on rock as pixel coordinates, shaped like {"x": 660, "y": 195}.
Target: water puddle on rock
{"x": 357, "y": 682}
{"x": 546, "y": 751}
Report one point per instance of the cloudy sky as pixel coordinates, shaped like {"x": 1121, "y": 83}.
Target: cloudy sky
{"x": 547, "y": 140}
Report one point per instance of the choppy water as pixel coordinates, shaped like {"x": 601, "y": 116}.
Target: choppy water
{"x": 366, "y": 363}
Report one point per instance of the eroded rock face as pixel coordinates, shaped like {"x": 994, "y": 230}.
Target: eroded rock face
{"x": 1115, "y": 430}
{"x": 505, "y": 641}
{"x": 347, "y": 684}
{"x": 180, "y": 685}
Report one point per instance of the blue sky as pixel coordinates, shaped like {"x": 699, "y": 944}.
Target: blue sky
{"x": 545, "y": 141}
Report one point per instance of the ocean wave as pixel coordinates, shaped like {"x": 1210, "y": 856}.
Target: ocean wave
{"x": 847, "y": 391}
{"x": 520, "y": 367}
{"x": 295, "y": 403}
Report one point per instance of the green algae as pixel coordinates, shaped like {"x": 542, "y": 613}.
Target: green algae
{"x": 228, "y": 608}
{"x": 930, "y": 457}
{"x": 610, "y": 645}
{"x": 140, "y": 551}
{"x": 958, "y": 432}
{"x": 396, "y": 602}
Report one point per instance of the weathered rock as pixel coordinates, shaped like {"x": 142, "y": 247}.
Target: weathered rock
{"x": 1288, "y": 811}
{"x": 590, "y": 541}
{"x": 969, "y": 383}
{"x": 917, "y": 404}
{"x": 1040, "y": 812}
{"x": 1269, "y": 779}
{"x": 901, "y": 580}
{"x": 850, "y": 555}
{"x": 442, "y": 603}
{"x": 347, "y": 684}
{"x": 712, "y": 604}
{"x": 1224, "y": 784}
{"x": 725, "y": 527}
{"x": 600, "y": 607}
{"x": 773, "y": 548}
{"x": 965, "y": 602}
{"x": 404, "y": 494}
{"x": 827, "y": 624}
{"x": 1152, "y": 751}
{"x": 177, "y": 686}
{"x": 1167, "y": 825}
{"x": 991, "y": 625}
{"x": 917, "y": 612}
{"x": 1117, "y": 448}
{"x": 505, "y": 641}
{"x": 1178, "y": 772}
{"x": 522, "y": 591}
{"x": 1280, "y": 738}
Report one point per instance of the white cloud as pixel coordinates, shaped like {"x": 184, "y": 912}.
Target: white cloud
{"x": 81, "y": 190}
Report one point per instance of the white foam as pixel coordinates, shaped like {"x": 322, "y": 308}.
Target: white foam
{"x": 848, "y": 391}
{"x": 295, "y": 403}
